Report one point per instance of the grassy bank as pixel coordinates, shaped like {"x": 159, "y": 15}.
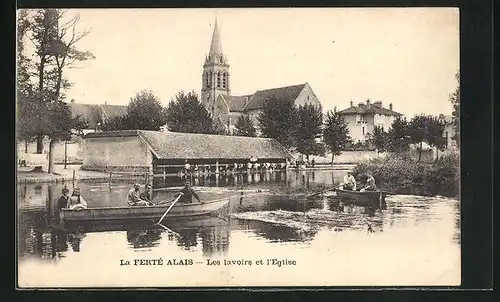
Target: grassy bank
{"x": 400, "y": 174}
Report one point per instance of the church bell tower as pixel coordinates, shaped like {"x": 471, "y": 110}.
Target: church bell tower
{"x": 215, "y": 78}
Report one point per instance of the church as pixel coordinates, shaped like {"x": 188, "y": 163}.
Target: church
{"x": 216, "y": 90}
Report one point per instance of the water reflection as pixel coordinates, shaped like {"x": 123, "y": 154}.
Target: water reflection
{"x": 271, "y": 219}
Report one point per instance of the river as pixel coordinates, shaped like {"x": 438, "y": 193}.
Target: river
{"x": 265, "y": 239}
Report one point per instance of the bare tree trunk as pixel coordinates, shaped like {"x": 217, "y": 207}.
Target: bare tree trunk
{"x": 51, "y": 155}
{"x": 333, "y": 156}
{"x": 437, "y": 153}
{"x": 420, "y": 152}
{"x": 25, "y": 146}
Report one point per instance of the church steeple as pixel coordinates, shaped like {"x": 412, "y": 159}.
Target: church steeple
{"x": 215, "y": 54}
{"x": 215, "y": 77}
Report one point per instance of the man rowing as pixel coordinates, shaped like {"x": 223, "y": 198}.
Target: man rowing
{"x": 187, "y": 193}
{"x": 133, "y": 197}
{"x": 349, "y": 182}
{"x": 370, "y": 183}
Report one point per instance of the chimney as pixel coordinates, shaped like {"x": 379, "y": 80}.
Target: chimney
{"x": 72, "y": 101}
{"x": 105, "y": 102}
{"x": 368, "y": 102}
{"x": 377, "y": 104}
{"x": 390, "y": 106}
{"x": 351, "y": 103}
{"x": 360, "y": 104}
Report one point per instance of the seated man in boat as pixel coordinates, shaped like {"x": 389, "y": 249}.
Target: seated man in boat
{"x": 147, "y": 195}
{"x": 76, "y": 201}
{"x": 133, "y": 197}
{"x": 370, "y": 183}
{"x": 187, "y": 193}
{"x": 349, "y": 182}
{"x": 62, "y": 202}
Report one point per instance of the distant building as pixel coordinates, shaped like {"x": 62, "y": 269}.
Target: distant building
{"x": 216, "y": 93}
{"x": 449, "y": 130}
{"x": 95, "y": 115}
{"x": 156, "y": 152}
{"x": 362, "y": 119}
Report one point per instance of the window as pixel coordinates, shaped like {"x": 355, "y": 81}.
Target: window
{"x": 363, "y": 128}
{"x": 218, "y": 79}
{"x": 224, "y": 80}
{"x": 210, "y": 79}
{"x": 206, "y": 79}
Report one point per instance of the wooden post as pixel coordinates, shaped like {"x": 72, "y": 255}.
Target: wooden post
{"x": 110, "y": 176}
{"x": 65, "y": 153}
{"x": 74, "y": 179}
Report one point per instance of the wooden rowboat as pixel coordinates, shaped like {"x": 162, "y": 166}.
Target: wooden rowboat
{"x": 179, "y": 210}
{"x": 367, "y": 198}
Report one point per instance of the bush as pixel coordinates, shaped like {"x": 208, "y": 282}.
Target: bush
{"x": 400, "y": 174}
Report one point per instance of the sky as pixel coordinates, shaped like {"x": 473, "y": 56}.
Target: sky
{"x": 404, "y": 56}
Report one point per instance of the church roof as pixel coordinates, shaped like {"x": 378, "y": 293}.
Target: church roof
{"x": 237, "y": 103}
{"x": 281, "y": 93}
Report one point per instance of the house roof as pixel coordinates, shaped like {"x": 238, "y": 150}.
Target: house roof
{"x": 175, "y": 145}
{"x": 364, "y": 109}
{"x": 94, "y": 113}
{"x": 282, "y": 93}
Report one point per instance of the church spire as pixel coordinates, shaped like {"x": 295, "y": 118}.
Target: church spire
{"x": 215, "y": 54}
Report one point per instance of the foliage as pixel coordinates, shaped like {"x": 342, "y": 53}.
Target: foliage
{"x": 245, "y": 127}
{"x": 426, "y": 128}
{"x": 398, "y": 139}
{"x": 145, "y": 112}
{"x": 115, "y": 123}
{"x": 336, "y": 133}
{"x": 186, "y": 114}
{"x": 42, "y": 111}
{"x": 278, "y": 120}
{"x": 309, "y": 123}
{"x": 403, "y": 175}
{"x": 378, "y": 139}
{"x": 455, "y": 101}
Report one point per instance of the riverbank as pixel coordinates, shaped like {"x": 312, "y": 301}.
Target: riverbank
{"x": 400, "y": 174}
{"x": 27, "y": 175}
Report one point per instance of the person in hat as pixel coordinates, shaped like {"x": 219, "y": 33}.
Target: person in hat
{"x": 370, "y": 183}
{"x": 62, "y": 202}
{"x": 349, "y": 182}
{"x": 133, "y": 197}
{"x": 76, "y": 201}
{"x": 187, "y": 193}
{"x": 147, "y": 195}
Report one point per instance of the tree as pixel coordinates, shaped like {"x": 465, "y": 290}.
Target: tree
{"x": 245, "y": 127}
{"x": 379, "y": 139}
{"x": 115, "y": 123}
{"x": 398, "y": 139}
{"x": 54, "y": 39}
{"x": 427, "y": 128}
{"x": 186, "y": 114}
{"x": 455, "y": 101}
{"x": 435, "y": 136}
{"x": 278, "y": 120}
{"x": 145, "y": 112}
{"x": 309, "y": 123}
{"x": 336, "y": 133}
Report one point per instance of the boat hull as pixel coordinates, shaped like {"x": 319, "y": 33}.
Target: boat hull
{"x": 179, "y": 210}
{"x": 367, "y": 198}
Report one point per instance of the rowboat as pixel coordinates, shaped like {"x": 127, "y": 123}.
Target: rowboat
{"x": 366, "y": 198}
{"x": 179, "y": 210}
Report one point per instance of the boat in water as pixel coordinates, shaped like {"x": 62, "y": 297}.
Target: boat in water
{"x": 179, "y": 210}
{"x": 374, "y": 199}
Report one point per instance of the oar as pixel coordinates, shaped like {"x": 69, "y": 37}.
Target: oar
{"x": 324, "y": 191}
{"x": 168, "y": 210}
{"x": 169, "y": 230}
